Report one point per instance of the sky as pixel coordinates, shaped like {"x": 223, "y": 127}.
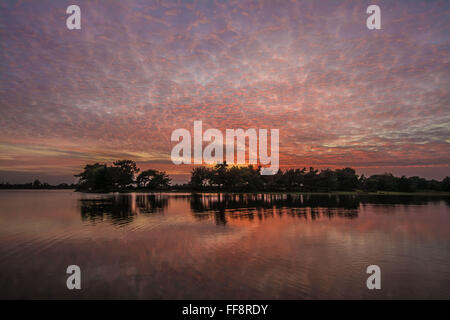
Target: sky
{"x": 340, "y": 94}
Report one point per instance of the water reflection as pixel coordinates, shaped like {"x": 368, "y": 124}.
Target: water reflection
{"x": 262, "y": 206}
{"x": 403, "y": 199}
{"x": 211, "y": 246}
{"x": 122, "y": 208}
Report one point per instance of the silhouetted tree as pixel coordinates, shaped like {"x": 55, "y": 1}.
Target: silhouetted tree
{"x": 446, "y": 184}
{"x": 36, "y": 183}
{"x": 201, "y": 177}
{"x": 102, "y": 178}
{"x": 95, "y": 177}
{"x": 219, "y": 174}
{"x": 347, "y": 179}
{"x": 405, "y": 184}
{"x": 153, "y": 179}
{"x": 311, "y": 179}
{"x": 328, "y": 181}
{"x": 385, "y": 182}
{"x": 124, "y": 174}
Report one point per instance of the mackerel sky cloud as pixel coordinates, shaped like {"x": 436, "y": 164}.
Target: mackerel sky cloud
{"x": 340, "y": 94}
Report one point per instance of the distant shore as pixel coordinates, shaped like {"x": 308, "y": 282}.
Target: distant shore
{"x": 343, "y": 193}
{"x": 124, "y": 176}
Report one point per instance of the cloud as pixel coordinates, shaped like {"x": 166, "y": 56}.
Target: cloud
{"x": 339, "y": 93}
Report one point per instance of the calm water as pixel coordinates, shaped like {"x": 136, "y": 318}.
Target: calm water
{"x": 182, "y": 246}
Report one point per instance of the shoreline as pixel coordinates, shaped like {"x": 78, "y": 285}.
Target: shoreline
{"x": 342, "y": 193}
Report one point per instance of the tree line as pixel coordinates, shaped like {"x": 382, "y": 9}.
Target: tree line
{"x": 124, "y": 175}
{"x": 237, "y": 178}
{"x": 36, "y": 184}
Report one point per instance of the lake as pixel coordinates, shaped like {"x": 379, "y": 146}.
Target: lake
{"x": 211, "y": 246}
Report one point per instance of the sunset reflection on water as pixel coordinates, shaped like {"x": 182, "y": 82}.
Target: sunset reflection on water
{"x": 233, "y": 246}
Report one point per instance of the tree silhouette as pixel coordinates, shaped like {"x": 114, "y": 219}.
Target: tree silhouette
{"x": 446, "y": 184}
{"x": 120, "y": 176}
{"x": 201, "y": 177}
{"x": 222, "y": 177}
{"x": 36, "y": 183}
{"x": 95, "y": 177}
{"x": 124, "y": 174}
{"x": 153, "y": 179}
